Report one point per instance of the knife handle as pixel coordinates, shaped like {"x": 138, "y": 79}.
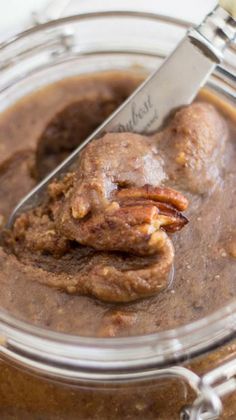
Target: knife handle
{"x": 217, "y": 30}
{"x": 229, "y": 6}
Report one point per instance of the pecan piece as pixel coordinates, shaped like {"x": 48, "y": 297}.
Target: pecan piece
{"x": 130, "y": 224}
{"x": 159, "y": 194}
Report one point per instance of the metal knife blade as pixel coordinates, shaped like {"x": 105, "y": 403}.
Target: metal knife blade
{"x": 175, "y": 84}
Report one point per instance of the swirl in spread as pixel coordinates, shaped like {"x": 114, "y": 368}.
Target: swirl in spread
{"x": 118, "y": 206}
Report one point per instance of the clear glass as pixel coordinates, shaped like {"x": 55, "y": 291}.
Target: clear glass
{"x": 101, "y": 369}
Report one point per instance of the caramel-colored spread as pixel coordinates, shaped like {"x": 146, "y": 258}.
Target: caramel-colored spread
{"x": 112, "y": 203}
{"x": 110, "y": 231}
{"x": 109, "y": 252}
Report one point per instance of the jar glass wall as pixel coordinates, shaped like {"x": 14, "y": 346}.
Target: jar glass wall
{"x": 82, "y": 377}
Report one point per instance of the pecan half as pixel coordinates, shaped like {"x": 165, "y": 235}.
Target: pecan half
{"x": 131, "y": 223}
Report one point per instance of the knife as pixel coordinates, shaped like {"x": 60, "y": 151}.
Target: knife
{"x": 173, "y": 85}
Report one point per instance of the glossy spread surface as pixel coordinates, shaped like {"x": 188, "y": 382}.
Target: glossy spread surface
{"x": 64, "y": 256}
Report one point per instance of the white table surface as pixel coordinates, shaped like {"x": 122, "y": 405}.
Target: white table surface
{"x": 15, "y": 15}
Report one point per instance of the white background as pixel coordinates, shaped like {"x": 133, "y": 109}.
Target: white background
{"x": 15, "y": 15}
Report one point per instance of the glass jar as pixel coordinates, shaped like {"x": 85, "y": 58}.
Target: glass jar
{"x": 186, "y": 372}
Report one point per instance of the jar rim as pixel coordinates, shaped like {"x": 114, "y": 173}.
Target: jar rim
{"x": 25, "y": 342}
